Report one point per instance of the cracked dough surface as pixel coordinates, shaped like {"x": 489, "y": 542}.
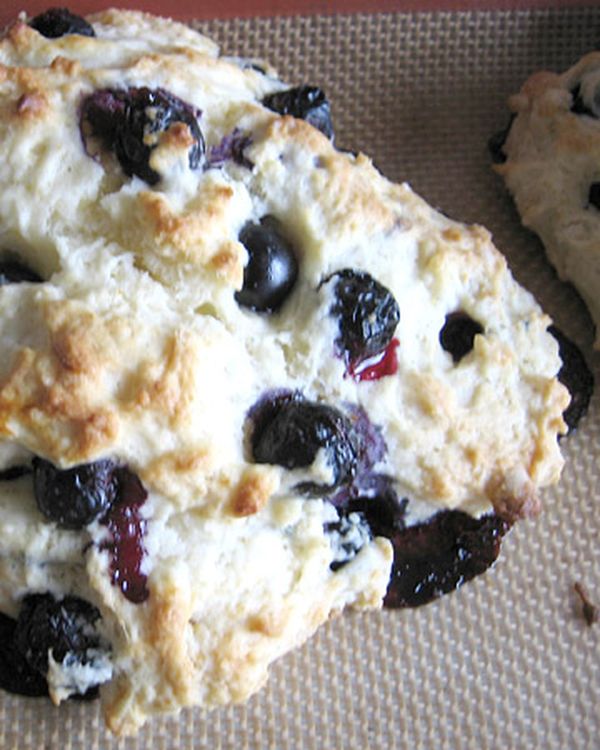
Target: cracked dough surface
{"x": 134, "y": 348}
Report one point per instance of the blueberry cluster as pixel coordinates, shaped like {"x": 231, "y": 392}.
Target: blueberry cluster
{"x": 130, "y": 121}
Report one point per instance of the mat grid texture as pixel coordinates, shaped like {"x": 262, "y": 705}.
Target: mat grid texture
{"x": 508, "y": 661}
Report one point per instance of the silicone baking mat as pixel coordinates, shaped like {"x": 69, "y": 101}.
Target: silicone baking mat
{"x": 508, "y": 661}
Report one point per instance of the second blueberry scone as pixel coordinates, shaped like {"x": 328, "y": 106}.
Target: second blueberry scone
{"x": 550, "y": 161}
{"x": 236, "y": 363}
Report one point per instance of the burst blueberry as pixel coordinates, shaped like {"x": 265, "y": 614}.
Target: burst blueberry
{"x": 347, "y": 536}
{"x": 458, "y": 334}
{"x": 291, "y": 432}
{"x": 16, "y": 674}
{"x": 14, "y": 272}
{"x": 57, "y": 22}
{"x": 367, "y": 314}
{"x": 272, "y": 267}
{"x": 130, "y": 122}
{"x": 75, "y": 497}
{"x": 576, "y": 376}
{"x": 304, "y": 102}
{"x": 436, "y": 557}
{"x": 65, "y": 628}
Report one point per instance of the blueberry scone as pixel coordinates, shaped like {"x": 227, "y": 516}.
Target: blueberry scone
{"x": 245, "y": 381}
{"x": 549, "y": 158}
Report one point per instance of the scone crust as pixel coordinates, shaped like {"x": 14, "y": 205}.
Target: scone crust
{"x": 552, "y": 159}
{"x": 134, "y": 348}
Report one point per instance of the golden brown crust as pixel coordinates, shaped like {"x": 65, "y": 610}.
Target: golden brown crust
{"x": 135, "y": 349}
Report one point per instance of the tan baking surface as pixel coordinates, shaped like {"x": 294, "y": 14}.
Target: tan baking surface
{"x": 507, "y": 662}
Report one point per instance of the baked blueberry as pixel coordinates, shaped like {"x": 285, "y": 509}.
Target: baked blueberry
{"x": 367, "y": 315}
{"x": 16, "y": 674}
{"x": 272, "y": 267}
{"x": 56, "y": 22}
{"x": 438, "y": 556}
{"x": 576, "y": 376}
{"x": 594, "y": 195}
{"x": 381, "y": 508}
{"x": 362, "y": 518}
{"x": 14, "y": 472}
{"x": 65, "y": 628}
{"x": 230, "y": 148}
{"x": 13, "y": 272}
{"x": 458, "y": 334}
{"x": 130, "y": 121}
{"x": 291, "y": 431}
{"x": 304, "y": 102}
{"x": 74, "y": 497}
{"x": 347, "y": 537}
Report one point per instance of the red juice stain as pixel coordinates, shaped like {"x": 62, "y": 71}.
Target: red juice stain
{"x": 126, "y": 545}
{"x": 378, "y": 366}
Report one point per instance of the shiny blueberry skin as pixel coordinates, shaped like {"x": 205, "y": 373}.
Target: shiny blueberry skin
{"x": 62, "y": 627}
{"x": 272, "y": 268}
{"x": 16, "y": 674}
{"x": 458, "y": 334}
{"x": 367, "y": 314}
{"x": 290, "y": 432}
{"x": 57, "y": 22}
{"x": 436, "y": 557}
{"x": 13, "y": 272}
{"x": 304, "y": 102}
{"x": 125, "y": 119}
{"x": 75, "y": 497}
{"x": 576, "y": 376}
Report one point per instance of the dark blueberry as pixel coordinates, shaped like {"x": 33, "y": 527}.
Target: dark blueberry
{"x": 129, "y": 122}
{"x": 594, "y": 195}
{"x": 231, "y": 148}
{"x": 13, "y": 272}
{"x": 372, "y": 445}
{"x": 580, "y": 107}
{"x": 305, "y": 102}
{"x": 127, "y": 529}
{"x": 56, "y": 22}
{"x": 65, "y": 627}
{"x": 497, "y": 141}
{"x": 367, "y": 315}
{"x": 347, "y": 537}
{"x": 16, "y": 674}
{"x": 362, "y": 518}
{"x": 14, "y": 472}
{"x": 381, "y": 509}
{"x": 272, "y": 268}
{"x": 436, "y": 557}
{"x": 74, "y": 497}
{"x": 290, "y": 432}
{"x": 458, "y": 334}
{"x": 576, "y": 376}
